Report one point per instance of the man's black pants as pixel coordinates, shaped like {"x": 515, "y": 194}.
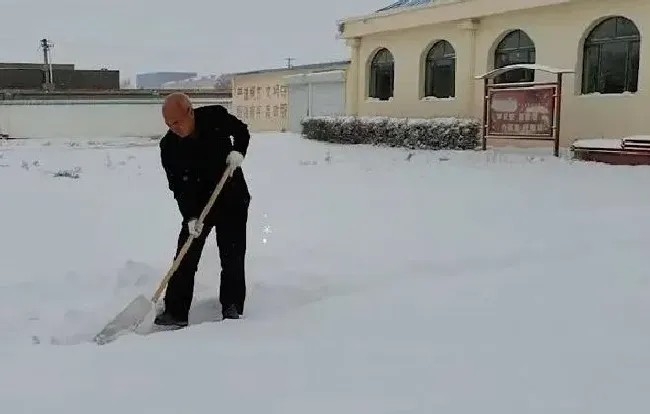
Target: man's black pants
{"x": 230, "y": 229}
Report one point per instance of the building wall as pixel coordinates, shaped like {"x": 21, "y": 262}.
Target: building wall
{"x": 87, "y": 119}
{"x": 315, "y": 94}
{"x": 29, "y": 78}
{"x": 64, "y": 79}
{"x": 558, "y": 32}
{"x": 28, "y": 65}
{"x": 86, "y": 79}
{"x": 261, "y": 98}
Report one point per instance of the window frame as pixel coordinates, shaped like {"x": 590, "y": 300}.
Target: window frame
{"x": 503, "y": 53}
{"x": 592, "y": 81}
{"x": 447, "y": 57}
{"x": 382, "y": 66}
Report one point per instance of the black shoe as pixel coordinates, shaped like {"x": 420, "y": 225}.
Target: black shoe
{"x": 167, "y": 319}
{"x": 230, "y": 312}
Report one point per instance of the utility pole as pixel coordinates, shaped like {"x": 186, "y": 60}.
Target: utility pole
{"x": 289, "y": 62}
{"x": 46, "y": 45}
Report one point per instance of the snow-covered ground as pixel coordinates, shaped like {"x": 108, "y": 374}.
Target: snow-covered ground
{"x": 379, "y": 282}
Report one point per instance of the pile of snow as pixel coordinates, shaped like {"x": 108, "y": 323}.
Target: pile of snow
{"x": 380, "y": 280}
{"x": 598, "y": 143}
{"x": 611, "y": 143}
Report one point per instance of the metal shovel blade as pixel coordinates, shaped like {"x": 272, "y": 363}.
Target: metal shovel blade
{"x": 127, "y": 320}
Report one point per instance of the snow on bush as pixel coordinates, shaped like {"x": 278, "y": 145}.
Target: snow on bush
{"x": 433, "y": 134}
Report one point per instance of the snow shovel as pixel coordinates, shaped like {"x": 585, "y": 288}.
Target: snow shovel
{"x": 136, "y": 311}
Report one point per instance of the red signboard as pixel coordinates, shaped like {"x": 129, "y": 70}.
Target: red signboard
{"x": 522, "y": 112}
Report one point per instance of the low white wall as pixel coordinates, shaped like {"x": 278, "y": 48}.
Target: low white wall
{"x": 87, "y": 119}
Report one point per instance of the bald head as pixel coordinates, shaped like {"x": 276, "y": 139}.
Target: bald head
{"x": 178, "y": 114}
{"x": 176, "y": 101}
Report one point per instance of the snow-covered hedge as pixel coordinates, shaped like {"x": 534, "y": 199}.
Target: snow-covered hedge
{"x": 434, "y": 134}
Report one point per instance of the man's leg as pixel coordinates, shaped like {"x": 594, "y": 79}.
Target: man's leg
{"x": 178, "y": 297}
{"x": 231, "y": 240}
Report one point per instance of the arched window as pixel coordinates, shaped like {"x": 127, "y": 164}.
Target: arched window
{"x": 611, "y": 57}
{"x": 516, "y": 47}
{"x": 382, "y": 75}
{"x": 440, "y": 71}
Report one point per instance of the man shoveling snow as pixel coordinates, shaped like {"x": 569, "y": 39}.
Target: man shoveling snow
{"x": 195, "y": 153}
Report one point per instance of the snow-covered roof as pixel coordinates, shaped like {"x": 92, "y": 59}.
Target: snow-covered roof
{"x": 400, "y": 4}
{"x": 598, "y": 143}
{"x": 315, "y": 77}
{"x": 532, "y": 66}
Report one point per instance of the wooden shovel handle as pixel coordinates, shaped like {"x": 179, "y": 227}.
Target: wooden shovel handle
{"x": 190, "y": 239}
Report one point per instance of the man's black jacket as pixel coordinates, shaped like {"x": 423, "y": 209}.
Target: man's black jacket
{"x": 194, "y": 164}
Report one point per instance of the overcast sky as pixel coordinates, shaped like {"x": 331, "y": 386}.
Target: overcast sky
{"x": 205, "y": 36}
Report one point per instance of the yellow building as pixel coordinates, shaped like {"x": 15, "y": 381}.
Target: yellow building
{"x": 261, "y": 98}
{"x": 421, "y": 60}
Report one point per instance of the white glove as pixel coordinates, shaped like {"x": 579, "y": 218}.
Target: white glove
{"x": 234, "y": 161}
{"x": 194, "y": 228}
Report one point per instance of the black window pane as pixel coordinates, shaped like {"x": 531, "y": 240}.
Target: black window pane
{"x": 516, "y": 47}
{"x": 531, "y": 56}
{"x": 524, "y": 40}
{"x": 429, "y": 80}
{"x": 500, "y": 60}
{"x": 611, "y": 57}
{"x": 511, "y": 41}
{"x": 384, "y": 84}
{"x": 605, "y": 30}
{"x": 444, "y": 75}
{"x": 449, "y": 50}
{"x": 528, "y": 75}
{"x": 516, "y": 75}
{"x": 442, "y": 49}
{"x": 381, "y": 85}
{"x": 437, "y": 51}
{"x": 519, "y": 56}
{"x": 440, "y": 71}
{"x": 383, "y": 56}
{"x": 633, "y": 67}
{"x": 626, "y": 28}
{"x": 519, "y": 75}
{"x": 590, "y": 69}
{"x": 381, "y": 75}
{"x": 613, "y": 65}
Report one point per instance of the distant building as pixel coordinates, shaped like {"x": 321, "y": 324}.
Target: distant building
{"x": 154, "y": 80}
{"x": 199, "y": 82}
{"x": 29, "y": 65}
{"x": 96, "y": 80}
{"x": 277, "y": 99}
{"x": 32, "y": 76}
{"x": 126, "y": 84}
{"x": 217, "y": 82}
